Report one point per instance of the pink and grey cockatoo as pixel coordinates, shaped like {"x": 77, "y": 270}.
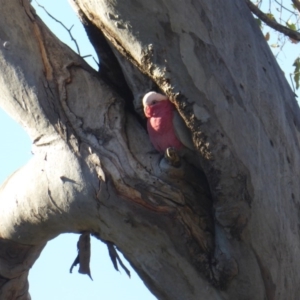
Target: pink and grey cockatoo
{"x": 165, "y": 127}
{"x": 167, "y": 131}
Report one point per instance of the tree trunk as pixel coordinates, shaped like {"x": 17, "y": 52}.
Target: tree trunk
{"x": 231, "y": 234}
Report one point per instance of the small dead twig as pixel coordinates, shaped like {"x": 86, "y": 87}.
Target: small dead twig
{"x": 114, "y": 256}
{"x": 285, "y": 8}
{"x": 62, "y": 24}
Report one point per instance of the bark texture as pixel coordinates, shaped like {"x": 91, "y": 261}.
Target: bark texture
{"x": 231, "y": 234}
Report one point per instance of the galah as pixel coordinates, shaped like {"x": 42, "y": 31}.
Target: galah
{"x": 165, "y": 126}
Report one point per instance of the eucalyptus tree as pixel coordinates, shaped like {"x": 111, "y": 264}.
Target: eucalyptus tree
{"x": 222, "y": 226}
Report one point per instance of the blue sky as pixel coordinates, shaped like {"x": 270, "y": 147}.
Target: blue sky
{"x": 50, "y": 277}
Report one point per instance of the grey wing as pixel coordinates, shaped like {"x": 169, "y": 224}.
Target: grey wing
{"x": 182, "y": 132}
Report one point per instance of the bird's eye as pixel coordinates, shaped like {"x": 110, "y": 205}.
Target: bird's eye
{"x": 153, "y": 102}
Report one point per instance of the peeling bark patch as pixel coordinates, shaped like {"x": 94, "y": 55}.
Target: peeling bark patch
{"x": 84, "y": 249}
{"x": 84, "y": 254}
{"x": 115, "y": 258}
{"x": 48, "y": 68}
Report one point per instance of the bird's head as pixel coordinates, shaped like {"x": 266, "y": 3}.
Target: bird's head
{"x": 152, "y": 99}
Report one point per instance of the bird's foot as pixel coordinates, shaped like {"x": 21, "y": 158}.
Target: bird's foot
{"x": 172, "y": 157}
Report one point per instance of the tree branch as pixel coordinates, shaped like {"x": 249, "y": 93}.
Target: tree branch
{"x": 297, "y": 4}
{"x": 272, "y": 23}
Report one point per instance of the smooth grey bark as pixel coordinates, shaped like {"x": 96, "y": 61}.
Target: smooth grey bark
{"x": 93, "y": 170}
